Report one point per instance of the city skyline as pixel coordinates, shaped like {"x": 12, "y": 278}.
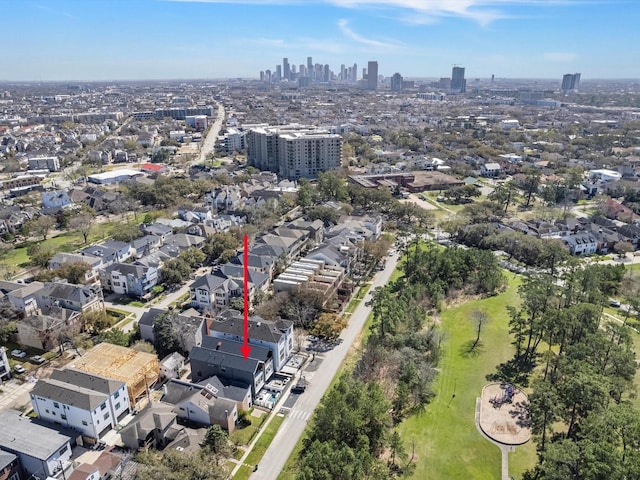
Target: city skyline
{"x": 171, "y": 39}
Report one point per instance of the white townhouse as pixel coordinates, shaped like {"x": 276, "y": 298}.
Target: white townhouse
{"x": 87, "y": 403}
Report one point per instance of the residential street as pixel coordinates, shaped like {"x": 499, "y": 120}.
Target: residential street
{"x": 296, "y": 420}
{"x": 210, "y": 140}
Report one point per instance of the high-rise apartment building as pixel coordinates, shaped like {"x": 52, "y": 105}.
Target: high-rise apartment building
{"x": 286, "y": 69}
{"x": 396, "y": 82}
{"x": 354, "y": 72}
{"x": 570, "y": 82}
{"x": 372, "y": 75}
{"x": 278, "y": 73}
{"x": 458, "y": 82}
{"x": 309, "y": 65}
{"x": 294, "y": 151}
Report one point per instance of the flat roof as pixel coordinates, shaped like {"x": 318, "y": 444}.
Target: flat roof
{"x": 22, "y": 435}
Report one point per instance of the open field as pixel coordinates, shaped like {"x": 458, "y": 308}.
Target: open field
{"x": 444, "y": 437}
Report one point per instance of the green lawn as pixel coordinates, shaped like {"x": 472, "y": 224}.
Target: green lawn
{"x": 65, "y": 242}
{"x": 264, "y": 441}
{"x": 447, "y": 444}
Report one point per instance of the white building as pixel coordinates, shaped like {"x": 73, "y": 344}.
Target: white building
{"x": 294, "y": 151}
{"x": 199, "y": 122}
{"x": 42, "y": 451}
{"x": 509, "y": 124}
{"x": 5, "y": 368}
{"x": 87, "y": 403}
{"x": 604, "y": 175}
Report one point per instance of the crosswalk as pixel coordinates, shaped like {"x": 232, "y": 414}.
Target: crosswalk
{"x": 296, "y": 414}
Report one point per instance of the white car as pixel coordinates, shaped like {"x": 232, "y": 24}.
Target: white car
{"x": 19, "y": 369}
{"x": 18, "y": 353}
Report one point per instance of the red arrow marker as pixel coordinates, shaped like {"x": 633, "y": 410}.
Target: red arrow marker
{"x": 246, "y": 349}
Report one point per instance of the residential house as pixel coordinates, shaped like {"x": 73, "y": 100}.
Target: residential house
{"x": 43, "y": 451}
{"x": 154, "y": 427}
{"x": 5, "y": 368}
{"x": 22, "y": 297}
{"x": 106, "y": 466}
{"x": 290, "y": 246}
{"x": 276, "y": 336}
{"x": 124, "y": 251}
{"x": 55, "y": 199}
{"x": 146, "y": 245}
{"x": 195, "y": 214}
{"x": 201, "y": 405}
{"x": 206, "y": 363}
{"x": 46, "y": 330}
{"x": 79, "y": 404}
{"x": 224, "y": 198}
{"x": 213, "y": 292}
{"x": 581, "y": 243}
{"x": 189, "y": 325}
{"x": 183, "y": 241}
{"x": 157, "y": 229}
{"x": 80, "y": 298}
{"x": 630, "y": 233}
{"x": 171, "y": 366}
{"x": 315, "y": 229}
{"x": 241, "y": 394}
{"x": 10, "y": 468}
{"x": 60, "y": 258}
{"x": 136, "y": 281}
{"x": 490, "y": 169}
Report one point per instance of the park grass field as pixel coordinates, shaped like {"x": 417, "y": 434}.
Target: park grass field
{"x": 444, "y": 438}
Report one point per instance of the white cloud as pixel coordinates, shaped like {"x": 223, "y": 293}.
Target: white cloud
{"x": 347, "y": 31}
{"x": 419, "y": 11}
{"x": 559, "y": 57}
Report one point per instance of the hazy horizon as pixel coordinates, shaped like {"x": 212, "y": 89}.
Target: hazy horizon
{"x": 102, "y": 40}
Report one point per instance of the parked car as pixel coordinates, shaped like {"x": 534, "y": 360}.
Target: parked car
{"x": 614, "y": 303}
{"x": 18, "y": 353}
{"x": 298, "y": 388}
{"x": 37, "y": 359}
{"x": 19, "y": 369}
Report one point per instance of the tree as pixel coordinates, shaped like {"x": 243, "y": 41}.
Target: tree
{"x": 329, "y": 326}
{"x": 306, "y": 193}
{"x": 95, "y": 321}
{"x": 170, "y": 464}
{"x": 116, "y": 336}
{"x": 479, "y": 319}
{"x": 530, "y": 186}
{"x": 174, "y": 272}
{"x": 73, "y": 272}
{"x": 332, "y": 187}
{"x": 126, "y": 232}
{"x": 216, "y": 441}
{"x": 40, "y": 254}
{"x": 504, "y": 194}
{"x": 622, "y": 248}
{"x": 192, "y": 256}
{"x": 82, "y": 223}
{"x": 166, "y": 333}
{"x": 40, "y": 226}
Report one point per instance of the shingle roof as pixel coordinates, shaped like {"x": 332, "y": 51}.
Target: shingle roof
{"x": 69, "y": 394}
{"x": 223, "y": 359}
{"x": 87, "y": 380}
{"x": 259, "y": 328}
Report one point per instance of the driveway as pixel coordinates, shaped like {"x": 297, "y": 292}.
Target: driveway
{"x": 318, "y": 382}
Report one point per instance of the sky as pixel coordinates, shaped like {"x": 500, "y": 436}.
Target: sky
{"x": 52, "y": 40}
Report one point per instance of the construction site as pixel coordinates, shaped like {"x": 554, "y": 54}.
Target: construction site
{"x": 138, "y": 370}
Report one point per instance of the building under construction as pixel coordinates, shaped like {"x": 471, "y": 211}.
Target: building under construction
{"x": 138, "y": 370}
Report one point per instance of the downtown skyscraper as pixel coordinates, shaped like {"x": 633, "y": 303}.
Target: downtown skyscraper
{"x": 458, "y": 82}
{"x": 372, "y": 75}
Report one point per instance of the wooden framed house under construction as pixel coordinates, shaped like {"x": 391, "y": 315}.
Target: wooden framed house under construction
{"x": 138, "y": 370}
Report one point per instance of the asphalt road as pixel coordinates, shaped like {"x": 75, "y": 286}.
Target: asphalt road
{"x": 209, "y": 142}
{"x": 318, "y": 382}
